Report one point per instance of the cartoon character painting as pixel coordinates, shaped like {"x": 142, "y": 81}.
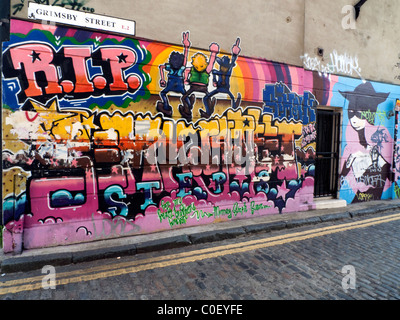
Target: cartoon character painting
{"x": 221, "y": 80}
{"x": 175, "y": 68}
{"x": 197, "y": 76}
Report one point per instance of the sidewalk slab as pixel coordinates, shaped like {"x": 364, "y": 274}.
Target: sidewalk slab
{"x": 130, "y": 245}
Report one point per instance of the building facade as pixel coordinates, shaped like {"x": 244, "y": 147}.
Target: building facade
{"x": 192, "y": 114}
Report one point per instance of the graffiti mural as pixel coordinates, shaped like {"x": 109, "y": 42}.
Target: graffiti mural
{"x": 396, "y": 153}
{"x": 107, "y": 136}
{"x": 367, "y": 156}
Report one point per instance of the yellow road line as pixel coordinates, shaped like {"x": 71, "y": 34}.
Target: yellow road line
{"x": 196, "y": 252}
{"x": 186, "y": 253}
{"x": 105, "y": 271}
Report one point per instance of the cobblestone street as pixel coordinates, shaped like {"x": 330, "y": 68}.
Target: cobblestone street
{"x": 301, "y": 267}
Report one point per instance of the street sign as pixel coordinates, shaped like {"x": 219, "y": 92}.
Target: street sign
{"x": 78, "y": 18}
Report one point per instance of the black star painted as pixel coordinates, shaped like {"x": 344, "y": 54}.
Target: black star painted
{"x": 246, "y": 123}
{"x": 122, "y": 58}
{"x": 35, "y": 56}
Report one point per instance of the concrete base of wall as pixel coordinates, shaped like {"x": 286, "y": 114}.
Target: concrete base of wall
{"x": 329, "y": 203}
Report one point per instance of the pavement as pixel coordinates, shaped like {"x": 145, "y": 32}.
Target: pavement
{"x": 111, "y": 248}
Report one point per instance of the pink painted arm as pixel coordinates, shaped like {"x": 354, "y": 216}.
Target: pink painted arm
{"x": 186, "y": 44}
{"x": 162, "y": 81}
{"x": 214, "y": 49}
{"x": 186, "y": 76}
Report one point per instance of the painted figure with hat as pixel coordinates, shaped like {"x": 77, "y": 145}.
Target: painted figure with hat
{"x": 367, "y": 144}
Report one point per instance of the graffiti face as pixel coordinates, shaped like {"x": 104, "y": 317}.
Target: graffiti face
{"x": 199, "y": 62}
{"x": 356, "y": 120}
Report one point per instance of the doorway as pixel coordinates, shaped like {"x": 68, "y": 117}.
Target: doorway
{"x": 327, "y": 153}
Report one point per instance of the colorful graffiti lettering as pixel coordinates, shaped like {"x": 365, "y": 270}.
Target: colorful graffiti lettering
{"x": 107, "y": 136}
{"x": 94, "y": 142}
{"x": 96, "y": 170}
{"x": 41, "y": 77}
{"x": 178, "y": 213}
{"x": 283, "y": 103}
{"x": 83, "y": 69}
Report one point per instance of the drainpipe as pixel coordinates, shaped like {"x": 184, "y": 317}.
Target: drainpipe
{"x": 310, "y": 200}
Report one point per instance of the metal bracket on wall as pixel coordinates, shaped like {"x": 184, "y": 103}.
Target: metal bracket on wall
{"x": 358, "y": 7}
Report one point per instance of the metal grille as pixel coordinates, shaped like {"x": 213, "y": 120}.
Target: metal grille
{"x": 327, "y": 160}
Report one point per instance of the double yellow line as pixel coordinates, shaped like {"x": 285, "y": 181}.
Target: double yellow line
{"x": 116, "y": 269}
